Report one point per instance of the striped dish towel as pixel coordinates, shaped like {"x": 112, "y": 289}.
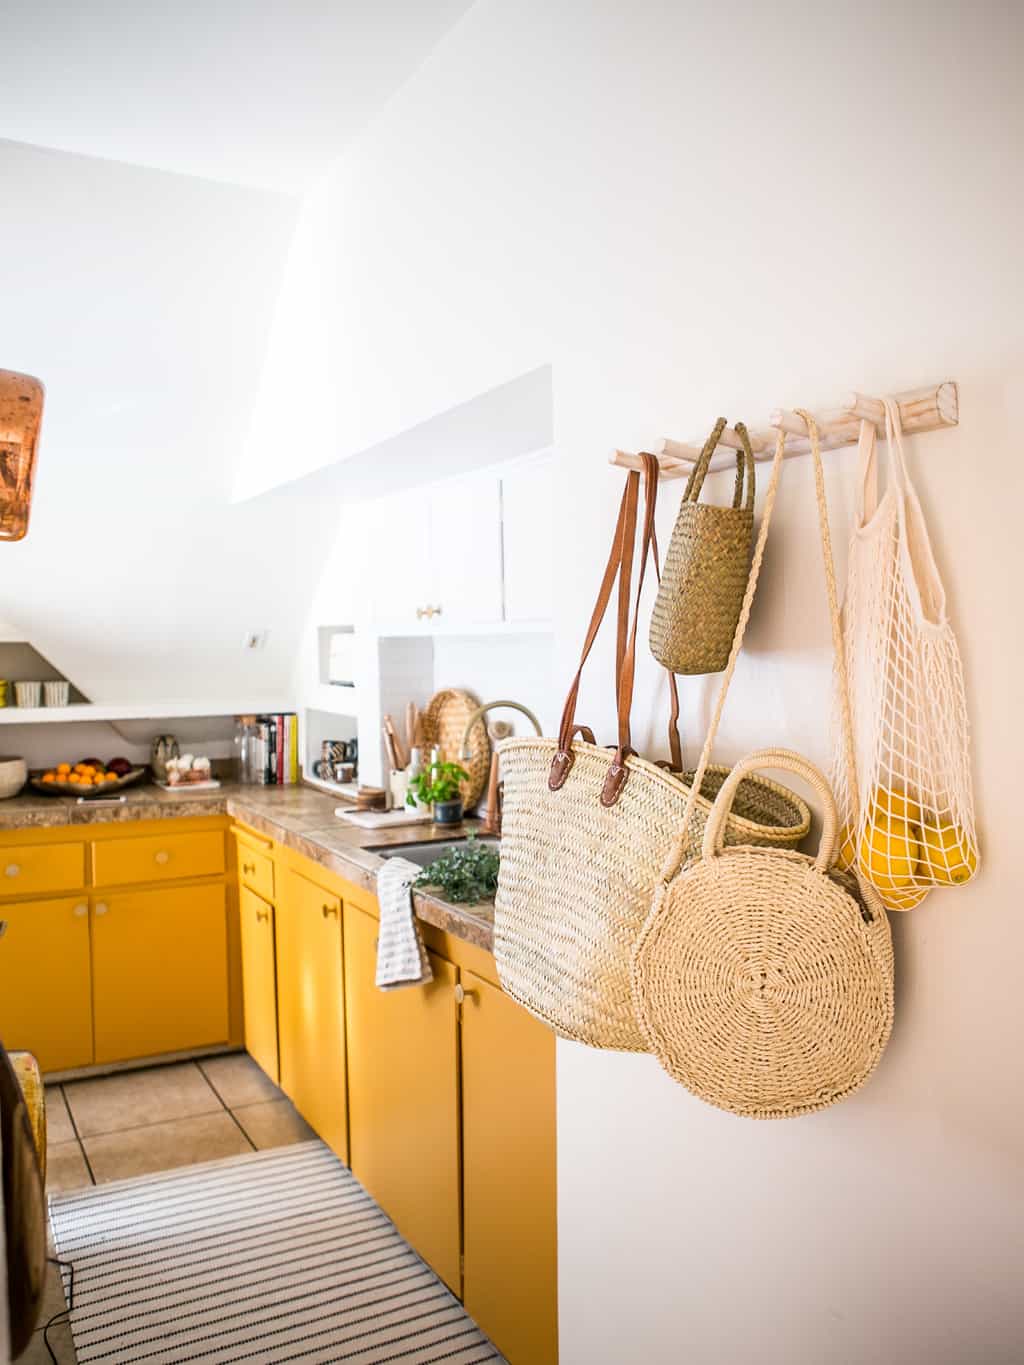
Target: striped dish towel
{"x": 401, "y": 957}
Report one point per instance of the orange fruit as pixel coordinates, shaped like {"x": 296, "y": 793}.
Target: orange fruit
{"x": 49, "y": 777}
{"x": 75, "y": 778}
{"x": 110, "y": 777}
{"x": 63, "y": 768}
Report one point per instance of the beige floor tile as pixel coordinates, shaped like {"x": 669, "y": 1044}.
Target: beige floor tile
{"x": 60, "y": 1340}
{"x": 58, "y": 1120}
{"x": 130, "y": 1099}
{"x": 276, "y": 1124}
{"x": 238, "y": 1080}
{"x": 162, "y": 1146}
{"x": 65, "y": 1167}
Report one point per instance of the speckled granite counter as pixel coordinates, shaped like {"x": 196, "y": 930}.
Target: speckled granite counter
{"x": 302, "y": 818}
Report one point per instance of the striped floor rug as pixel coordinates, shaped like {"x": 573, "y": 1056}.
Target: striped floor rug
{"x": 273, "y": 1256}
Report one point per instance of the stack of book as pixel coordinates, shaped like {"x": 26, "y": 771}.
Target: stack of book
{"x": 277, "y": 750}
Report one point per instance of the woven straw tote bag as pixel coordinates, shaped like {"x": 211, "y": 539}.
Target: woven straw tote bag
{"x": 771, "y": 994}
{"x": 914, "y": 828}
{"x": 585, "y": 832}
{"x": 707, "y": 565}
{"x": 656, "y": 959}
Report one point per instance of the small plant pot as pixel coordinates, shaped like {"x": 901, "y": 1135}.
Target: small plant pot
{"x": 448, "y": 812}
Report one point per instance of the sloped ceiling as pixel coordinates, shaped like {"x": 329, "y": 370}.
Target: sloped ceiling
{"x": 152, "y": 163}
{"x": 251, "y": 92}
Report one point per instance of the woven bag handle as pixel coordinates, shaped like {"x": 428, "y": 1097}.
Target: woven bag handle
{"x": 792, "y": 762}
{"x": 677, "y": 852}
{"x": 679, "y": 848}
{"x": 744, "y": 465}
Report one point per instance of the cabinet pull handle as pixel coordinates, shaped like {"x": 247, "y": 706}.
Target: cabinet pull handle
{"x": 102, "y": 909}
{"x": 462, "y": 995}
{"x": 80, "y": 910}
{"x": 3, "y": 927}
{"x": 249, "y": 868}
{"x": 162, "y": 857}
{"x": 327, "y": 910}
{"x": 436, "y": 611}
{"x": 12, "y": 870}
{"x": 262, "y": 914}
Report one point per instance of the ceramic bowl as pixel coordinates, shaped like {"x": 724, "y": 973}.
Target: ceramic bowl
{"x": 13, "y": 775}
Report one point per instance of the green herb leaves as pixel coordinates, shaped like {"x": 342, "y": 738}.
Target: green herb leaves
{"x": 466, "y": 875}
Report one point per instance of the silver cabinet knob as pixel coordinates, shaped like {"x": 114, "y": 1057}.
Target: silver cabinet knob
{"x": 80, "y": 911}
{"x": 162, "y": 857}
{"x": 12, "y": 870}
{"x": 102, "y": 909}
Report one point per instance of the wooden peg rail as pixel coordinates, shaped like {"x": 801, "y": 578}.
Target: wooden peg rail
{"x": 920, "y": 410}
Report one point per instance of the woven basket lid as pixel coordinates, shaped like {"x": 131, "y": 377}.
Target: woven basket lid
{"x": 444, "y": 724}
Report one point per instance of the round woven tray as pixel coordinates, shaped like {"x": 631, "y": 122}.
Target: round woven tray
{"x": 444, "y": 723}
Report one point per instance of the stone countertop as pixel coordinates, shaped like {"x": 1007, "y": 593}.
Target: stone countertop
{"x": 302, "y": 818}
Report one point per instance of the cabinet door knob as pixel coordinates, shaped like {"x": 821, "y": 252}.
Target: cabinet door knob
{"x": 102, "y": 909}
{"x": 436, "y": 611}
{"x": 262, "y": 914}
{"x": 80, "y": 911}
{"x": 328, "y": 910}
{"x": 12, "y": 870}
{"x": 249, "y": 868}
{"x": 162, "y": 857}
{"x": 3, "y": 927}
{"x": 462, "y": 995}
{"x": 421, "y": 612}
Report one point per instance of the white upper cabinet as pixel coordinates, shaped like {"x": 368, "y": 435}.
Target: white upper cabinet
{"x": 464, "y": 554}
{"x": 527, "y": 528}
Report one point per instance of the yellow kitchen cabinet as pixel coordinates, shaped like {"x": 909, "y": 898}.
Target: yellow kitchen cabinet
{"x": 403, "y": 1097}
{"x": 255, "y": 866}
{"x": 311, "y": 1005}
{"x": 259, "y": 981}
{"x": 45, "y": 988}
{"x": 508, "y": 1162}
{"x": 166, "y": 856}
{"x": 160, "y": 971}
{"x": 32, "y": 869}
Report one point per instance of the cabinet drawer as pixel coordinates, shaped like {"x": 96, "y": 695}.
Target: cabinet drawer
{"x": 256, "y": 870}
{"x": 28, "y": 868}
{"x": 158, "y": 858}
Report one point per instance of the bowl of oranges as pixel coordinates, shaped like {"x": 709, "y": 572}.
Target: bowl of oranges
{"x": 89, "y": 777}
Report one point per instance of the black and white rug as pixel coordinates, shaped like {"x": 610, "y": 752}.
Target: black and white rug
{"x": 273, "y": 1256}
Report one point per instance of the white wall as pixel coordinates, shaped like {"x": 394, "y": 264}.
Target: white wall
{"x": 143, "y": 301}
{"x": 691, "y": 209}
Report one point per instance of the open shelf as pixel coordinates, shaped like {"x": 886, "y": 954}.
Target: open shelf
{"x": 155, "y": 710}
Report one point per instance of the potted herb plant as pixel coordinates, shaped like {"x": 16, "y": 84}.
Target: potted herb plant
{"x": 440, "y": 789}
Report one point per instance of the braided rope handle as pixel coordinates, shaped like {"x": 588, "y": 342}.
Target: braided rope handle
{"x": 793, "y": 762}
{"x": 677, "y": 852}
{"x": 744, "y": 467}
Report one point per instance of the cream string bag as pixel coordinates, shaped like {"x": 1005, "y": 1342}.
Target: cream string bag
{"x": 766, "y": 985}
{"x": 913, "y": 827}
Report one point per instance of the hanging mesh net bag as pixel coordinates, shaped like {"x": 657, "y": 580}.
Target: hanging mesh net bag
{"x": 912, "y": 827}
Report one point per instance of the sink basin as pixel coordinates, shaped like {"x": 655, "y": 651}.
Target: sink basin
{"x": 425, "y": 853}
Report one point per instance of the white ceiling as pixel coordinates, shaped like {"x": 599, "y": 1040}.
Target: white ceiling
{"x": 262, "y": 93}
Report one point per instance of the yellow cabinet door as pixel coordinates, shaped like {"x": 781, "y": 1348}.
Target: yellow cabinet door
{"x": 45, "y": 995}
{"x": 508, "y": 1155}
{"x": 259, "y": 984}
{"x": 160, "y": 971}
{"x": 403, "y": 1097}
{"x": 311, "y": 1006}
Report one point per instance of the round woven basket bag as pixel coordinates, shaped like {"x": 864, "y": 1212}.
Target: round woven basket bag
{"x": 763, "y": 979}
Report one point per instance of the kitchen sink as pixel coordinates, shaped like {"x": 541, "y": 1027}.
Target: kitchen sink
{"x": 428, "y": 851}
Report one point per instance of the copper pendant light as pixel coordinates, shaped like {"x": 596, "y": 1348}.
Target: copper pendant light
{"x": 21, "y": 415}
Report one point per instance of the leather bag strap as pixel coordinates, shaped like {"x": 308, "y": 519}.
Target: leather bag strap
{"x": 620, "y": 568}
